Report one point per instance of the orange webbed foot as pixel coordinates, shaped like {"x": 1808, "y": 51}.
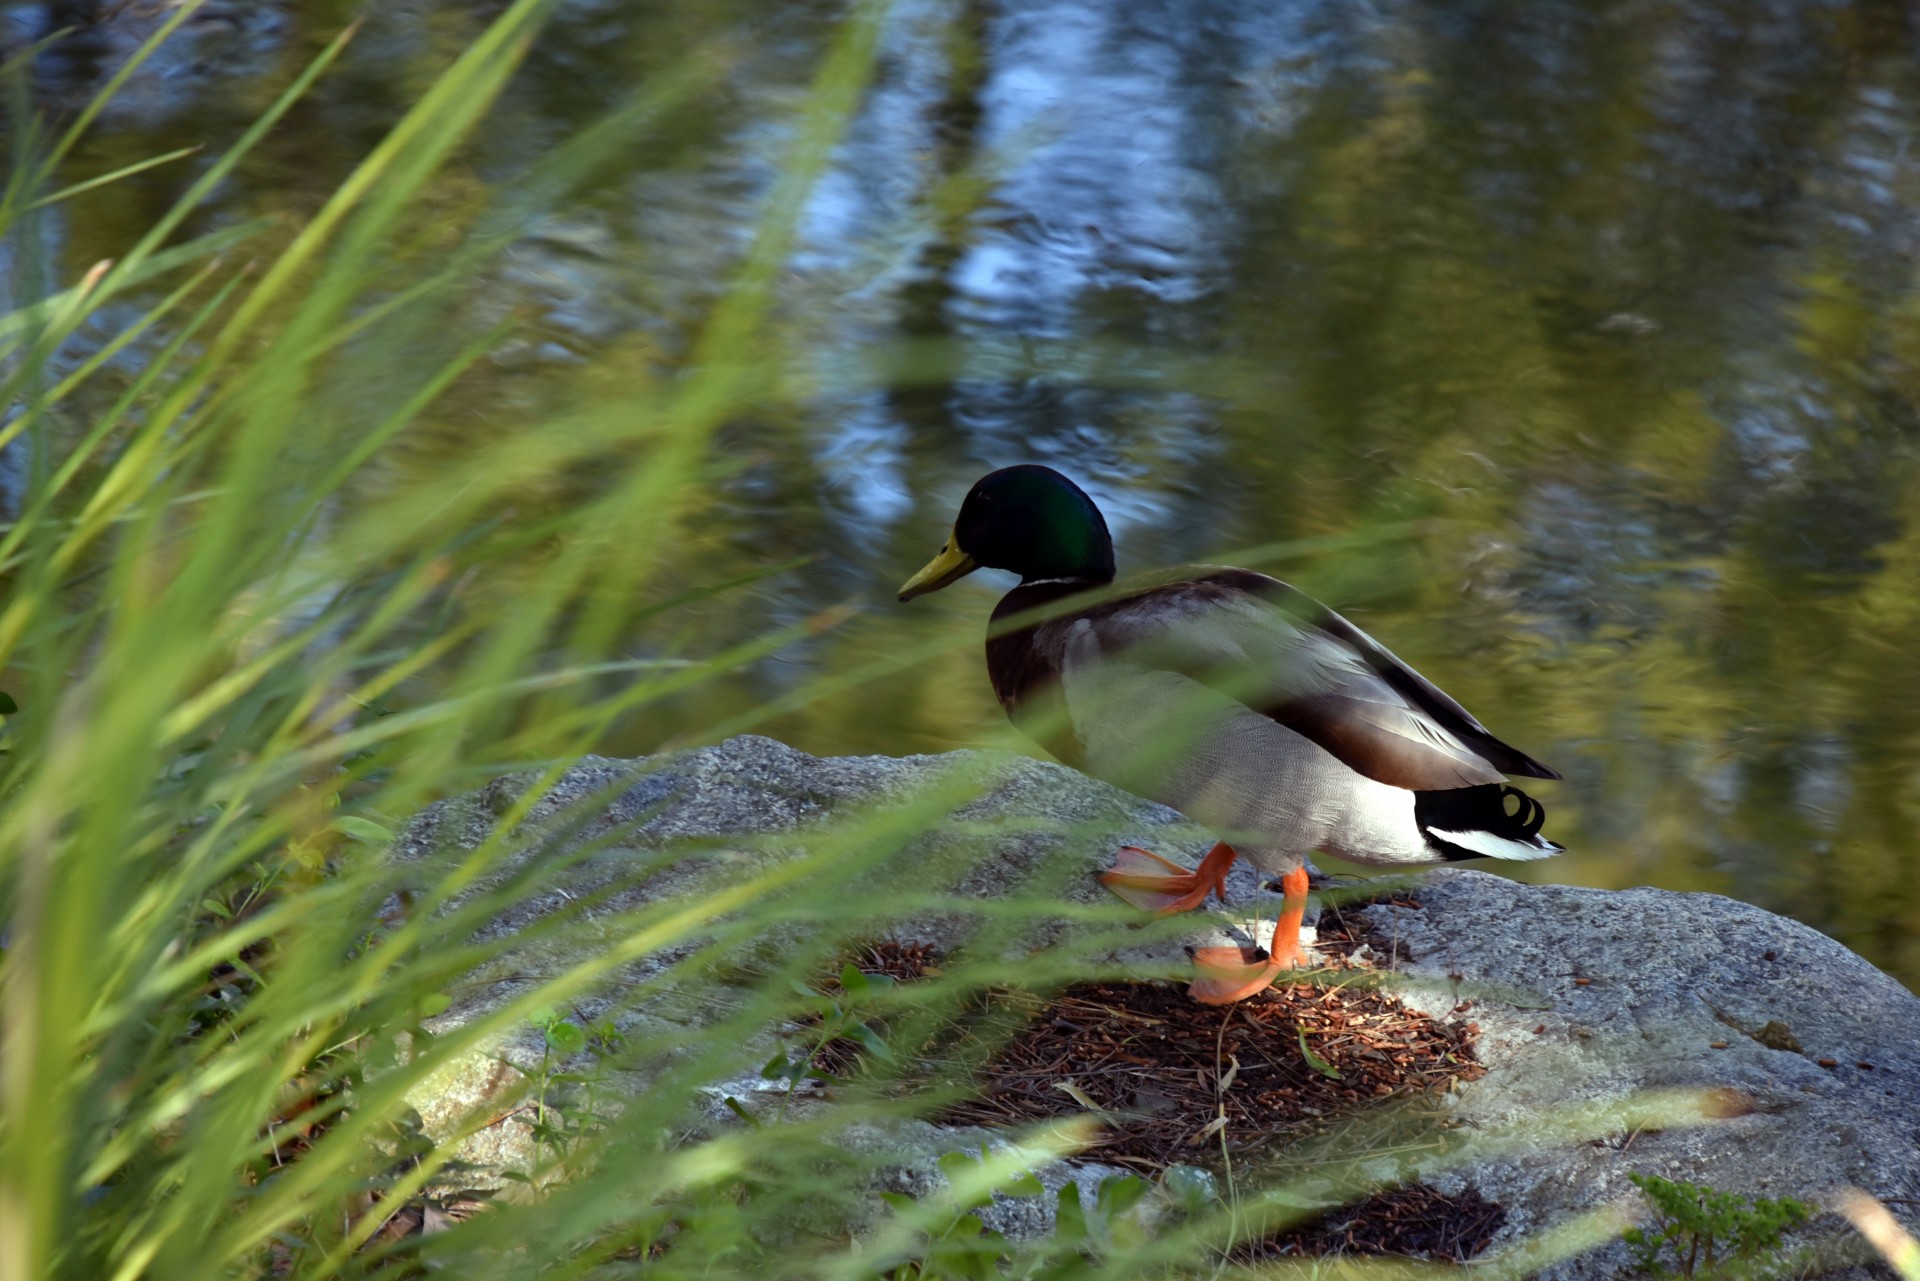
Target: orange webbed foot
{"x": 1155, "y": 884}
{"x": 1223, "y": 975}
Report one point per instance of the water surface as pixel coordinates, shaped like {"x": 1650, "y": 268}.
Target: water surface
{"x": 1569, "y": 348}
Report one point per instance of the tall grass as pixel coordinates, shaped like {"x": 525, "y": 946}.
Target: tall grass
{"x": 242, "y": 655}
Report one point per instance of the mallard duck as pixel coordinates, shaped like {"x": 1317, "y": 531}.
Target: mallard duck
{"x": 1243, "y": 703}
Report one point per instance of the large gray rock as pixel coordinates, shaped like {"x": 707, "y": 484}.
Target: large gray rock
{"x": 1609, "y": 993}
{"x": 1795, "y": 1064}
{"x": 972, "y": 827}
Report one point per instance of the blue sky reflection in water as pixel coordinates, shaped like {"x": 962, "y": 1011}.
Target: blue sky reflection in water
{"x": 1571, "y": 349}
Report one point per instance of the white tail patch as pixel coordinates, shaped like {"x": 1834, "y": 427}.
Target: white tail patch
{"x": 1498, "y": 846}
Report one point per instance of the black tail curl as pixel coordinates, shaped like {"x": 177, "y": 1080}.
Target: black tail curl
{"x": 1527, "y": 816}
{"x": 1479, "y": 809}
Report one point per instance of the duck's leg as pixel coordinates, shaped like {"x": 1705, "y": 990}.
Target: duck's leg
{"x": 1148, "y": 881}
{"x": 1223, "y": 975}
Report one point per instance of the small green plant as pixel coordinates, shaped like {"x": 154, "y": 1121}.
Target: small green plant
{"x": 1703, "y": 1232}
{"x": 1109, "y": 1226}
{"x": 836, "y": 1017}
{"x": 564, "y": 1106}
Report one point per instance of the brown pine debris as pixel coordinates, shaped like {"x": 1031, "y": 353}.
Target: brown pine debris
{"x": 1415, "y": 1221}
{"x": 1176, "y": 1082}
{"x": 1302, "y": 1072}
{"x": 901, "y": 962}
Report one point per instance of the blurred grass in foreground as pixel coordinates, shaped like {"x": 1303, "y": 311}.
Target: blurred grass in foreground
{"x": 206, "y": 1026}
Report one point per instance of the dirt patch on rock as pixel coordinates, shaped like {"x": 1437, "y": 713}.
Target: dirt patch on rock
{"x": 1416, "y": 1222}
{"x": 1303, "y": 1070}
{"x": 1179, "y": 1083}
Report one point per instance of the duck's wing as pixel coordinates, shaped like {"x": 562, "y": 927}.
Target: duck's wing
{"x": 1290, "y": 658}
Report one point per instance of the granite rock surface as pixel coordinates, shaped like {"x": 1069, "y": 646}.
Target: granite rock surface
{"x": 1592, "y": 997}
{"x": 1635, "y": 1031}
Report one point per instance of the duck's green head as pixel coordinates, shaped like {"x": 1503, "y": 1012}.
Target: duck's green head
{"x": 1029, "y": 519}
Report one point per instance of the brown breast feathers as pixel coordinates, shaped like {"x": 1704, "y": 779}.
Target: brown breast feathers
{"x": 1026, "y": 672}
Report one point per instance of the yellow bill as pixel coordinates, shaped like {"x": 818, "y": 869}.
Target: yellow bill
{"x": 949, "y": 566}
